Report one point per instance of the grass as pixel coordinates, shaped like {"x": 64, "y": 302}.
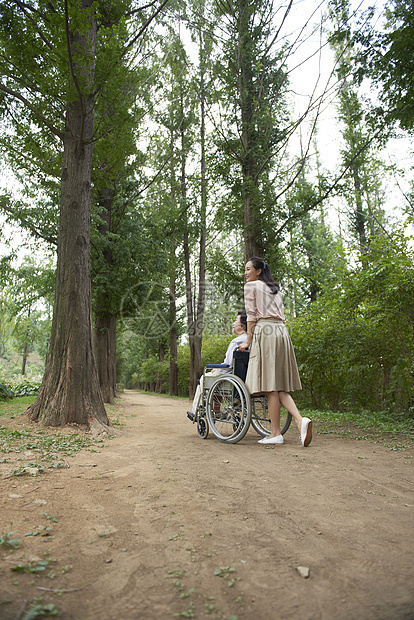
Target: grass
{"x": 396, "y": 431}
{"x": 16, "y": 406}
{"x": 47, "y": 446}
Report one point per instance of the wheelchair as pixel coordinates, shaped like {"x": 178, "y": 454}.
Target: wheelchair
{"x": 226, "y": 407}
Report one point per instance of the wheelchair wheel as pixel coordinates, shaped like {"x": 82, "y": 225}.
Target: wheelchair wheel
{"x": 260, "y": 417}
{"x": 202, "y": 427}
{"x": 228, "y": 409}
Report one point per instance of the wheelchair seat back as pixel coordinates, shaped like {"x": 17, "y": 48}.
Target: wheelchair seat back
{"x": 240, "y": 363}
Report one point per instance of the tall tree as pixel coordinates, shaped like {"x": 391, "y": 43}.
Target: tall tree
{"x": 61, "y": 40}
{"x": 387, "y": 58}
{"x": 254, "y": 78}
{"x": 361, "y": 185}
{"x": 184, "y": 210}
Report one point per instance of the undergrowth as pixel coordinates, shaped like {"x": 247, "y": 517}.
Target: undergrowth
{"x": 45, "y": 448}
{"x": 395, "y": 431}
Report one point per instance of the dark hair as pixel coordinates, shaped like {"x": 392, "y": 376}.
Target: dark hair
{"x": 265, "y": 276}
{"x": 243, "y": 319}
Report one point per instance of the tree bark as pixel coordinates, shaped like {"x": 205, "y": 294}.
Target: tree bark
{"x": 70, "y": 391}
{"x": 105, "y": 351}
{"x": 360, "y": 219}
{"x": 203, "y": 214}
{"x": 24, "y": 358}
{"x": 105, "y": 321}
{"x": 253, "y": 233}
{"x": 173, "y": 375}
{"x": 26, "y": 346}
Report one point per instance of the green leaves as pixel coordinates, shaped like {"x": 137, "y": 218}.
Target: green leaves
{"x": 387, "y": 58}
{"x": 355, "y": 344}
{"x": 7, "y": 541}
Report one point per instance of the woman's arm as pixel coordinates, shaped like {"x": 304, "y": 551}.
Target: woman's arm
{"x": 250, "y": 329}
{"x": 250, "y": 305}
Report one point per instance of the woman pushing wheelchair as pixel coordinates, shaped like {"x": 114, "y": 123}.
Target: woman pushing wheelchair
{"x": 272, "y": 368}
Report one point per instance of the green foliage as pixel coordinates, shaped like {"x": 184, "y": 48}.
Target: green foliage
{"x": 355, "y": 344}
{"x": 387, "y": 57}
{"x": 8, "y": 542}
{"x": 251, "y": 87}
{"x": 151, "y": 373}
{"x": 14, "y": 384}
{"x": 155, "y": 372}
{"x": 213, "y": 351}
{"x": 41, "y": 611}
{"x": 5, "y": 392}
{"x": 392, "y": 429}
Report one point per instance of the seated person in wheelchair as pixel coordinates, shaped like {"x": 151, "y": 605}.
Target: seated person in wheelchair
{"x": 239, "y": 328}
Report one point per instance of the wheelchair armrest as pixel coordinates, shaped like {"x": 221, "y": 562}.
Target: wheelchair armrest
{"x": 217, "y": 366}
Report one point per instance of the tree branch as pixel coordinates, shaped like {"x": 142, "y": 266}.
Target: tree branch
{"x": 23, "y": 6}
{"x": 25, "y": 223}
{"x": 31, "y": 107}
{"x": 325, "y": 195}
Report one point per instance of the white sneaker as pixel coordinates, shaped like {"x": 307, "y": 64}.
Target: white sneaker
{"x": 272, "y": 440}
{"x": 306, "y": 432}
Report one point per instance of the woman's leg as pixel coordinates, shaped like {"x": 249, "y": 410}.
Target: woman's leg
{"x": 274, "y": 400}
{"x": 288, "y": 403}
{"x": 273, "y": 404}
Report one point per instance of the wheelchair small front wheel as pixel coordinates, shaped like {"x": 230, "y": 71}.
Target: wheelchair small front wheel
{"x": 228, "y": 409}
{"x": 202, "y": 427}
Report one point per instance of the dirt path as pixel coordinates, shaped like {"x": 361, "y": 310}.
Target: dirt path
{"x": 161, "y": 524}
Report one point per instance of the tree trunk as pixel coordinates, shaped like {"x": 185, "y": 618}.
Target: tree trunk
{"x": 173, "y": 377}
{"x": 187, "y": 268}
{"x": 105, "y": 322}
{"x": 253, "y": 235}
{"x": 26, "y": 345}
{"x": 24, "y": 360}
{"x": 199, "y": 319}
{"x": 161, "y": 354}
{"x": 70, "y": 390}
{"x": 360, "y": 219}
{"x": 105, "y": 351}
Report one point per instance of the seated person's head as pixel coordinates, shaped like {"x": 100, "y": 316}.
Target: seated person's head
{"x": 240, "y": 324}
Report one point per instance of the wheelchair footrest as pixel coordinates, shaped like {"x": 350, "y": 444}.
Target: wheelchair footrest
{"x": 191, "y": 416}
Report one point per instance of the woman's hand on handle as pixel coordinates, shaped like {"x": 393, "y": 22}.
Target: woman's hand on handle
{"x": 244, "y": 346}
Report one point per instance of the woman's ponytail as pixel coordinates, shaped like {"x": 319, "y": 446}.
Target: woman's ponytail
{"x": 265, "y": 276}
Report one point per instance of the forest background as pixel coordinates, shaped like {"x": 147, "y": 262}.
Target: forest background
{"x": 149, "y": 149}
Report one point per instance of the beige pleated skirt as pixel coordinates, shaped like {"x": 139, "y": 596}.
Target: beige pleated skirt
{"x": 272, "y": 363}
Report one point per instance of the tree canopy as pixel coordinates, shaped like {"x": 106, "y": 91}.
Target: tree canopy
{"x": 154, "y": 147}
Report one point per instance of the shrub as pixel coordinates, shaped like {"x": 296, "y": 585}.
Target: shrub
{"x": 355, "y": 344}
{"x": 15, "y": 384}
{"x": 213, "y": 351}
{"x": 5, "y": 392}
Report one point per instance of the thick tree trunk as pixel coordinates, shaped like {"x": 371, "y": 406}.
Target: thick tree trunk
{"x": 253, "y": 245}
{"x": 187, "y": 268}
{"x": 70, "y": 391}
{"x": 105, "y": 351}
{"x": 190, "y": 319}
